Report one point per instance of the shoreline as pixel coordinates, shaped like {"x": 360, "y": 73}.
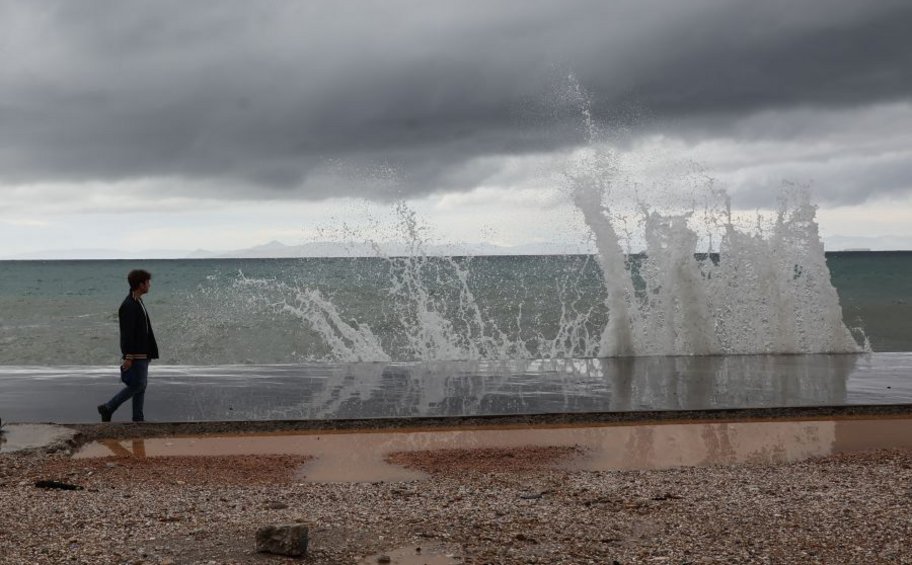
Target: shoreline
{"x": 128, "y": 430}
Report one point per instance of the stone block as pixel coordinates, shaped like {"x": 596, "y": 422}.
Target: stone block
{"x": 283, "y": 539}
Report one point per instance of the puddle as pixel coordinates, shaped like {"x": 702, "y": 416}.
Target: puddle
{"x": 337, "y": 457}
{"x": 16, "y": 437}
{"x": 411, "y": 555}
{"x": 359, "y": 457}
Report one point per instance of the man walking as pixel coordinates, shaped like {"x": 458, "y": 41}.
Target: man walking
{"x": 137, "y": 344}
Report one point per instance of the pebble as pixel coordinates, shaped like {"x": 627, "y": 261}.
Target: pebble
{"x": 846, "y": 508}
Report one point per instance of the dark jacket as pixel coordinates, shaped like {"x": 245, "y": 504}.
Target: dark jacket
{"x": 136, "y": 334}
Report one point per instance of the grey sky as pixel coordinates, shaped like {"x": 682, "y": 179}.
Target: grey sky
{"x": 169, "y": 101}
{"x": 269, "y": 93}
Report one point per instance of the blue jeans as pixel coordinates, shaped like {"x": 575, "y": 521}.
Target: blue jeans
{"x": 135, "y": 378}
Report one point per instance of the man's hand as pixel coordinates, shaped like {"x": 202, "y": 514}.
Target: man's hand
{"x": 127, "y": 363}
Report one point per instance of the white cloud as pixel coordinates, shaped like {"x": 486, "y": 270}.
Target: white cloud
{"x": 97, "y": 197}
{"x": 884, "y": 218}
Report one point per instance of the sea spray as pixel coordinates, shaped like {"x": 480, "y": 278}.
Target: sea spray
{"x": 436, "y": 308}
{"x": 756, "y": 293}
{"x": 617, "y": 338}
{"x": 413, "y": 306}
{"x": 700, "y": 282}
{"x": 760, "y": 290}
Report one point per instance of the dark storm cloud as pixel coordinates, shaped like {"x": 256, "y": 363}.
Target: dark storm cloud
{"x": 745, "y": 58}
{"x": 276, "y": 96}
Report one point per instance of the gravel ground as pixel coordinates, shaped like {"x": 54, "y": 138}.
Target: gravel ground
{"x": 483, "y": 506}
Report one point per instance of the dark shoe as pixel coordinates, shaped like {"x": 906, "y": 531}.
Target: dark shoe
{"x": 105, "y": 413}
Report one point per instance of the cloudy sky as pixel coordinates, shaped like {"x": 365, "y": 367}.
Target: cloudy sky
{"x": 138, "y": 125}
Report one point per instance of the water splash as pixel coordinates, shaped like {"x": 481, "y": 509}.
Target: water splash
{"x": 434, "y": 308}
{"x": 703, "y": 286}
{"x": 704, "y": 283}
{"x": 755, "y": 293}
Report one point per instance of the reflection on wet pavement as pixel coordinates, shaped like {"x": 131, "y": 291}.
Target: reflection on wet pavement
{"x": 355, "y": 457}
{"x": 326, "y": 391}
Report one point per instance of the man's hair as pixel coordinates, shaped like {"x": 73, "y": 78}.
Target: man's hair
{"x": 137, "y": 277}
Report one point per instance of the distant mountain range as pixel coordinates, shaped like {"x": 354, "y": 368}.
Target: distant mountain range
{"x": 276, "y": 249}
{"x": 279, "y": 250}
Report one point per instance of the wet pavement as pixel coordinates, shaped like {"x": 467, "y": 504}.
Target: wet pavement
{"x": 325, "y": 391}
{"x": 17, "y": 437}
{"x": 344, "y": 456}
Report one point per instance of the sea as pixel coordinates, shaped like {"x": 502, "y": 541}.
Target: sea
{"x": 281, "y": 311}
{"x": 763, "y": 318}
{"x": 419, "y": 336}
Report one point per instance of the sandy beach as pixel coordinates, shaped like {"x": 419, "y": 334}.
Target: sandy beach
{"x": 474, "y": 506}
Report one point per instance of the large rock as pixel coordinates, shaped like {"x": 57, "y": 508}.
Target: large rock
{"x": 283, "y": 539}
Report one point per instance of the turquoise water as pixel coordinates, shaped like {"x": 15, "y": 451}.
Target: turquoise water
{"x": 266, "y": 311}
{"x": 875, "y": 291}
